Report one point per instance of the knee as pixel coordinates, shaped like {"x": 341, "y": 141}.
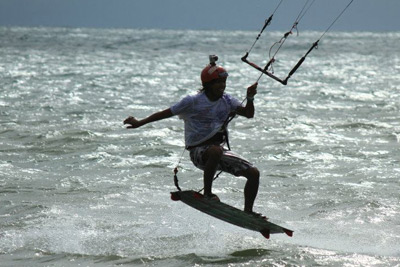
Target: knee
{"x": 251, "y": 173}
{"x": 254, "y": 174}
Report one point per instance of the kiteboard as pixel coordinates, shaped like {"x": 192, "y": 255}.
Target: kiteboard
{"x": 229, "y": 214}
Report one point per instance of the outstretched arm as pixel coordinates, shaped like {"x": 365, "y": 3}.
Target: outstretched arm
{"x": 248, "y": 110}
{"x": 134, "y": 123}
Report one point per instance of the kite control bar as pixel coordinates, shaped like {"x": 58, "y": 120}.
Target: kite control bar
{"x": 265, "y": 69}
{"x": 268, "y": 69}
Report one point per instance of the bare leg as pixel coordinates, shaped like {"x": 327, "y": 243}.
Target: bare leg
{"x": 251, "y": 187}
{"x": 212, "y": 157}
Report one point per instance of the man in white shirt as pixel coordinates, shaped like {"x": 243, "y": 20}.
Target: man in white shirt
{"x": 205, "y": 116}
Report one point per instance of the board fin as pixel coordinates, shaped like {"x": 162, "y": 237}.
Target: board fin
{"x": 288, "y": 232}
{"x": 265, "y": 233}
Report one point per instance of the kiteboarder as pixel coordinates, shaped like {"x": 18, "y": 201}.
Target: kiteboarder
{"x": 206, "y": 115}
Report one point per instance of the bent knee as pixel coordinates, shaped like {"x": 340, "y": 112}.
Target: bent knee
{"x": 254, "y": 173}
{"x": 251, "y": 173}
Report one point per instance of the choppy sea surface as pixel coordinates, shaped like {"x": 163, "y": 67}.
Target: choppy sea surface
{"x": 78, "y": 189}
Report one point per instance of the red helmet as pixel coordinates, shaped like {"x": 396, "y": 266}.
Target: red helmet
{"x": 212, "y": 71}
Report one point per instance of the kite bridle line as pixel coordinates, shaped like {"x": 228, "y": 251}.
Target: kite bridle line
{"x": 266, "y": 23}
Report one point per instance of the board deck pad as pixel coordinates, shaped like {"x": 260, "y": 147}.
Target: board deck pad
{"x": 229, "y": 214}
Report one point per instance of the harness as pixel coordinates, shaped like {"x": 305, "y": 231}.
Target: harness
{"x": 221, "y": 137}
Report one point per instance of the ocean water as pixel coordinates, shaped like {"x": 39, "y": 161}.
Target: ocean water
{"x": 78, "y": 189}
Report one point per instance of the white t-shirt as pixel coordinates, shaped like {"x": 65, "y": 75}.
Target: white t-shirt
{"x": 203, "y": 118}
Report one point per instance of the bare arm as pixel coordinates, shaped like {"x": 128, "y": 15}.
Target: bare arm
{"x": 248, "y": 110}
{"x": 134, "y": 123}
